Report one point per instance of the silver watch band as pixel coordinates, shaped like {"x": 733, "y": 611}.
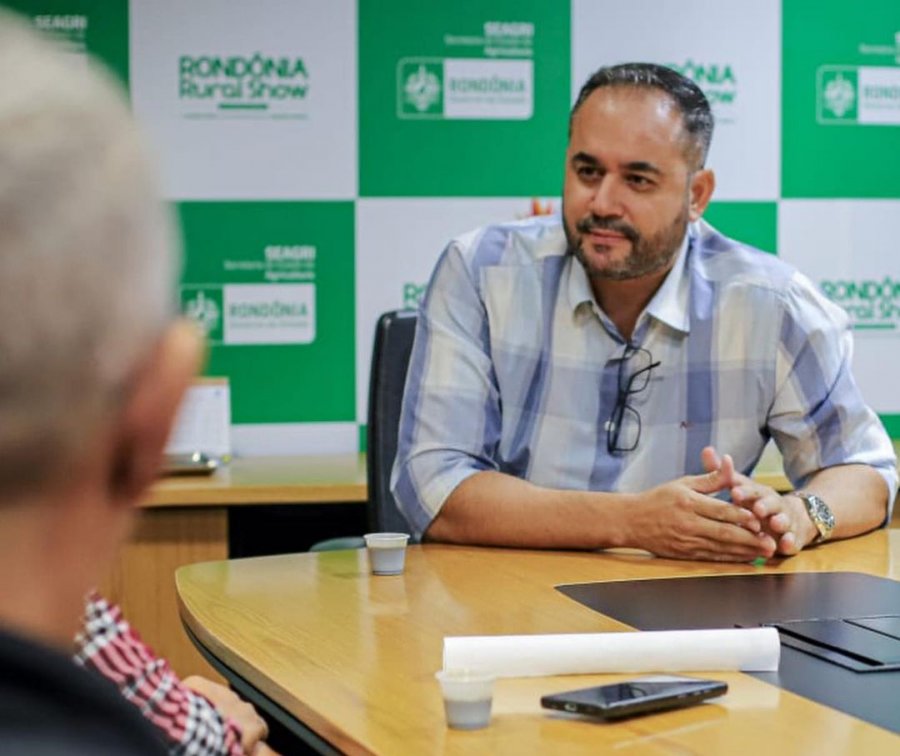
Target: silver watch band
{"x": 819, "y": 512}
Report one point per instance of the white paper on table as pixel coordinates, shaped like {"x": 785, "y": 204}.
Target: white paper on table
{"x": 203, "y": 422}
{"x": 755, "y": 649}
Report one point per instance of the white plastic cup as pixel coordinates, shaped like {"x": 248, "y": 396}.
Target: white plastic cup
{"x": 387, "y": 552}
{"x": 467, "y": 698}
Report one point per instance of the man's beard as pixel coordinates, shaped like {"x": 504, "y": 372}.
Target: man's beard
{"x": 647, "y": 255}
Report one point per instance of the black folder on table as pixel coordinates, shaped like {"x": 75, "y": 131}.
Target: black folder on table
{"x": 835, "y": 627}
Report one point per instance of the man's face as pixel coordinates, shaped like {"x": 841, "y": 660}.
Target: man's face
{"x": 627, "y": 192}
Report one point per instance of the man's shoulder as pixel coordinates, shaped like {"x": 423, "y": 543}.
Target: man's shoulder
{"x": 50, "y": 705}
{"x": 723, "y": 260}
{"x": 746, "y": 276}
{"x": 519, "y": 242}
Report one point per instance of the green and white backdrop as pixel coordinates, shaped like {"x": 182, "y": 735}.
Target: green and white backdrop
{"x": 320, "y": 153}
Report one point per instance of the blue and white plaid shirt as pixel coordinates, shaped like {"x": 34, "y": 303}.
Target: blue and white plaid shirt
{"x": 516, "y": 369}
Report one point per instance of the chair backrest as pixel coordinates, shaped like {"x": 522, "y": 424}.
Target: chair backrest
{"x": 394, "y": 335}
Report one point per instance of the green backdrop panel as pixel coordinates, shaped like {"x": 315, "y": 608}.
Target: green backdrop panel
{"x": 754, "y": 223}
{"x": 892, "y": 425}
{"x": 99, "y": 27}
{"x": 243, "y": 250}
{"x": 831, "y": 50}
{"x": 446, "y": 105}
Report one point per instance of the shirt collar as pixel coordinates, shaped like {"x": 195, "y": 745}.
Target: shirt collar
{"x": 551, "y": 239}
{"x": 578, "y": 287}
{"x": 670, "y": 303}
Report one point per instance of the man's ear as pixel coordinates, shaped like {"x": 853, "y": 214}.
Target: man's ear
{"x": 703, "y": 183}
{"x": 152, "y": 400}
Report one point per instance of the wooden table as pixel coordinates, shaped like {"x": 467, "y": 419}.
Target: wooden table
{"x": 270, "y": 480}
{"x": 185, "y": 519}
{"x": 352, "y": 656}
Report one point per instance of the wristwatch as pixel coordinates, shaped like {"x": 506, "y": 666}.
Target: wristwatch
{"x": 819, "y": 512}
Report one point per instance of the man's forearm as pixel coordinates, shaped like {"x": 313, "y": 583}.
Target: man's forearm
{"x": 856, "y": 494}
{"x": 492, "y": 508}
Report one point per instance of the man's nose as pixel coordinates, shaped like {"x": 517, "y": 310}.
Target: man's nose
{"x": 607, "y": 200}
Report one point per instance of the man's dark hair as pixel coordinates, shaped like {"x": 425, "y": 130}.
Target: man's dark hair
{"x": 696, "y": 115}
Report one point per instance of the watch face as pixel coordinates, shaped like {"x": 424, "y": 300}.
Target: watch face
{"x": 821, "y": 515}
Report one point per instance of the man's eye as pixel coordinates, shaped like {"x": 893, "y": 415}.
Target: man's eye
{"x": 586, "y": 172}
{"x": 640, "y": 182}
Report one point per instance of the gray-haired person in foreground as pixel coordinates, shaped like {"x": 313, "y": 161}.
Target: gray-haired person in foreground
{"x": 93, "y": 365}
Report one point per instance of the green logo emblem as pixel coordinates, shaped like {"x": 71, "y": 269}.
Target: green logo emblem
{"x": 204, "y": 307}
{"x": 838, "y": 94}
{"x": 420, "y": 88}
{"x": 412, "y": 294}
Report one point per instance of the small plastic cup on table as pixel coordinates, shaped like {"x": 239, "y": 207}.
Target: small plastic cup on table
{"x": 468, "y": 695}
{"x": 387, "y": 552}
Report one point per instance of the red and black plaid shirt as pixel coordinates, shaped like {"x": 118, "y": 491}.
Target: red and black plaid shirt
{"x": 191, "y": 724}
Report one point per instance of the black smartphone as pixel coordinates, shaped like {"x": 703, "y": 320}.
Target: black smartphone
{"x": 640, "y": 695}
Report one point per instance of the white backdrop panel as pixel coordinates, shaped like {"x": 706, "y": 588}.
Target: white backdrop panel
{"x": 226, "y": 134}
{"x": 849, "y": 248}
{"x": 732, "y": 50}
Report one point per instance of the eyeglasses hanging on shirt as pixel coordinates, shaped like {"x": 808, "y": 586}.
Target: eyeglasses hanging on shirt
{"x": 623, "y": 429}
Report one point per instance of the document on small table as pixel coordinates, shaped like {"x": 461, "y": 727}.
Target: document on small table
{"x": 203, "y": 423}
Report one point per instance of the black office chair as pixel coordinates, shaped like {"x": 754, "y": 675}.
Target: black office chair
{"x": 394, "y": 335}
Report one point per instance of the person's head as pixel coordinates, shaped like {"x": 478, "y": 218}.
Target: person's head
{"x": 92, "y": 361}
{"x": 635, "y": 174}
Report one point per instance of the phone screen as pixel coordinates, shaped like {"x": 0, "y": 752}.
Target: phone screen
{"x": 637, "y": 696}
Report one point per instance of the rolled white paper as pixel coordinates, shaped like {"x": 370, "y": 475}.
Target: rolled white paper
{"x": 746, "y": 649}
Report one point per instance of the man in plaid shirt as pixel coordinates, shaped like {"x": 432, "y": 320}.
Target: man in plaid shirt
{"x": 197, "y": 716}
{"x": 600, "y": 378}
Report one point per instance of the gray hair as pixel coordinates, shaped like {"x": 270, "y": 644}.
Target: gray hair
{"x": 87, "y": 259}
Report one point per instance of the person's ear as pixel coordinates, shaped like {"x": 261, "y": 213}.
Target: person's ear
{"x": 152, "y": 401}
{"x": 703, "y": 183}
